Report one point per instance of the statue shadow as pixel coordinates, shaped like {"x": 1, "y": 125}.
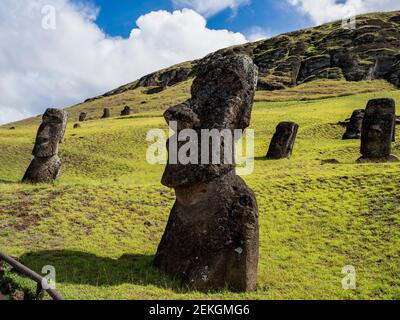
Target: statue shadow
{"x": 262, "y": 158}
{"x": 2, "y": 181}
{"x": 76, "y": 267}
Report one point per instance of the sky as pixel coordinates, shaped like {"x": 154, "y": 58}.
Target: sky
{"x": 55, "y": 53}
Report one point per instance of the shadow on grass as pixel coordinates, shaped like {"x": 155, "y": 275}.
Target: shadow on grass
{"x": 9, "y": 181}
{"x": 85, "y": 268}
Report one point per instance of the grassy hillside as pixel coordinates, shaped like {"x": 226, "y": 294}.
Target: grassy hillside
{"x": 100, "y": 224}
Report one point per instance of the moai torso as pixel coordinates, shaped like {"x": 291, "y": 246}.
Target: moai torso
{"x": 354, "y": 127}
{"x": 282, "y": 142}
{"x": 46, "y": 165}
{"x": 211, "y": 240}
{"x": 378, "y": 130}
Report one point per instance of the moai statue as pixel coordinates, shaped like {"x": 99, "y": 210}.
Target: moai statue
{"x": 126, "y": 111}
{"x": 82, "y": 116}
{"x": 378, "y": 131}
{"x": 282, "y": 142}
{"x": 353, "y": 130}
{"x": 106, "y": 113}
{"x": 46, "y": 165}
{"x": 212, "y": 237}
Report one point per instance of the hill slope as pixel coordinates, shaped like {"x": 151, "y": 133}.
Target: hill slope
{"x": 100, "y": 224}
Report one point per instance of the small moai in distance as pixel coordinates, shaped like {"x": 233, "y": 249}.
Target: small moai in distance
{"x": 46, "y": 165}
{"x": 282, "y": 142}
{"x": 82, "y": 116}
{"x": 354, "y": 127}
{"x": 77, "y": 126}
{"x": 211, "y": 240}
{"x": 378, "y": 131}
{"x": 106, "y": 113}
{"x": 126, "y": 111}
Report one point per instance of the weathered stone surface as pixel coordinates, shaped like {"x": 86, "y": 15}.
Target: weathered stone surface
{"x": 353, "y": 130}
{"x": 282, "y": 142}
{"x": 222, "y": 98}
{"x": 50, "y": 134}
{"x": 46, "y": 165}
{"x": 82, "y": 116}
{"x": 106, "y": 113}
{"x": 126, "y": 111}
{"x": 377, "y": 131}
{"x": 43, "y": 170}
{"x": 211, "y": 239}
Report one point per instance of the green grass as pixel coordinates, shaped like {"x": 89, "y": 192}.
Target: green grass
{"x": 100, "y": 224}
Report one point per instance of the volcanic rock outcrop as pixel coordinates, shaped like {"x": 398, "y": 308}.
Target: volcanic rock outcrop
{"x": 46, "y": 165}
{"x": 378, "y": 131}
{"x": 371, "y": 51}
{"x": 211, "y": 239}
{"x": 353, "y": 130}
{"x": 282, "y": 142}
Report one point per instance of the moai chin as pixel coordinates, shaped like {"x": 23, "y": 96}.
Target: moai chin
{"x": 211, "y": 239}
{"x": 282, "y": 142}
{"x": 378, "y": 131}
{"x": 46, "y": 165}
{"x": 106, "y": 113}
{"x": 354, "y": 127}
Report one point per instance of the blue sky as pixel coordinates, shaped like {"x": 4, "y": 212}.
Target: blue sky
{"x": 118, "y": 17}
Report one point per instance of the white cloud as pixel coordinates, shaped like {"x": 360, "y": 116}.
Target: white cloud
{"x": 210, "y": 7}
{"x": 56, "y": 68}
{"x": 321, "y": 11}
{"x": 257, "y": 33}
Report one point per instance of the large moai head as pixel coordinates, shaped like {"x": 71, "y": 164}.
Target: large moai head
{"x": 106, "y": 113}
{"x": 283, "y": 140}
{"x": 126, "y": 111}
{"x": 82, "y": 116}
{"x": 50, "y": 133}
{"x": 222, "y": 99}
{"x": 354, "y": 127}
{"x": 378, "y": 129}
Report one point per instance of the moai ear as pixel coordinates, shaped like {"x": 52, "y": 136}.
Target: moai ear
{"x": 183, "y": 115}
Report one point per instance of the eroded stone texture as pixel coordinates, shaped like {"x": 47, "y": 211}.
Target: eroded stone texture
{"x": 282, "y": 142}
{"x": 46, "y": 165}
{"x": 106, "y": 113}
{"x": 211, "y": 239}
{"x": 222, "y": 98}
{"x": 126, "y": 111}
{"x": 353, "y": 130}
{"x": 377, "y": 131}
